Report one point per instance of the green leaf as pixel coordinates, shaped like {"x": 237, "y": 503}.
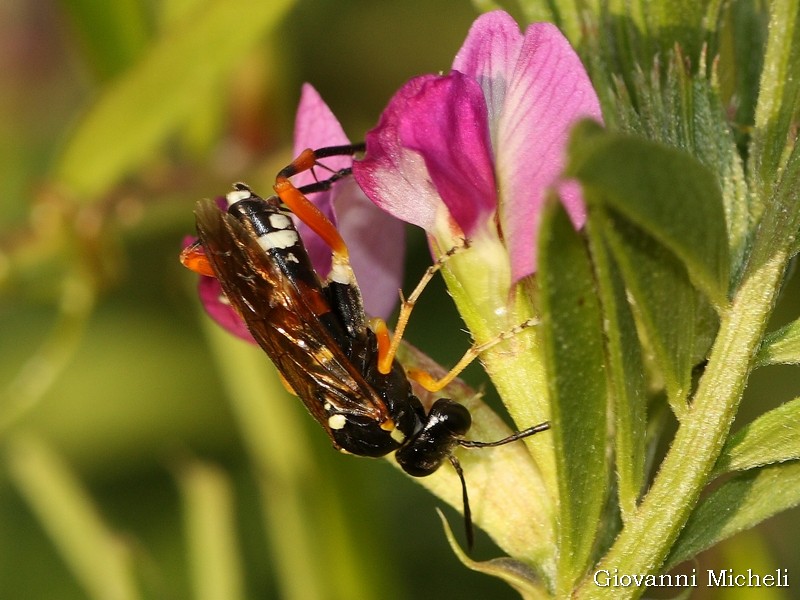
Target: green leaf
{"x": 95, "y": 554}
{"x": 515, "y": 573}
{"x": 665, "y": 303}
{"x": 742, "y": 40}
{"x": 740, "y": 503}
{"x": 112, "y": 34}
{"x": 781, "y": 347}
{"x": 710, "y": 139}
{"x": 134, "y": 116}
{"x": 683, "y": 110}
{"x": 772, "y": 438}
{"x": 779, "y": 96}
{"x": 211, "y": 530}
{"x": 785, "y": 204}
{"x": 536, "y": 11}
{"x": 684, "y": 23}
{"x": 779, "y": 230}
{"x": 679, "y": 203}
{"x": 625, "y": 372}
{"x": 787, "y": 199}
{"x": 645, "y": 541}
{"x": 572, "y": 346}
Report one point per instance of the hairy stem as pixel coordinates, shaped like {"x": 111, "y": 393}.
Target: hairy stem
{"x": 646, "y": 539}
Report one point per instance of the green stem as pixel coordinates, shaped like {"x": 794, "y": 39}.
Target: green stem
{"x": 480, "y": 283}
{"x": 41, "y": 371}
{"x": 646, "y": 539}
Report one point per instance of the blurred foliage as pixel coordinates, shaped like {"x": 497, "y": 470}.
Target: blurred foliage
{"x": 115, "y": 416}
{"x": 105, "y": 367}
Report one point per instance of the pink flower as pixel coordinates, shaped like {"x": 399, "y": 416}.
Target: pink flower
{"x": 475, "y": 151}
{"x": 364, "y": 227}
{"x": 367, "y": 230}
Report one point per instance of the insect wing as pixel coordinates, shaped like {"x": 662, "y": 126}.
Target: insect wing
{"x": 283, "y": 315}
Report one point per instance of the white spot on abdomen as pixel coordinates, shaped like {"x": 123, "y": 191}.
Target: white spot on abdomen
{"x": 284, "y": 238}
{"x": 279, "y": 221}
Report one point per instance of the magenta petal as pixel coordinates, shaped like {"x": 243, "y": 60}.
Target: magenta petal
{"x": 220, "y": 310}
{"x": 376, "y": 240}
{"x": 446, "y": 123}
{"x": 549, "y": 91}
{"x": 377, "y": 249}
{"x": 392, "y": 176}
{"x": 317, "y": 127}
{"x": 432, "y": 147}
{"x": 489, "y": 54}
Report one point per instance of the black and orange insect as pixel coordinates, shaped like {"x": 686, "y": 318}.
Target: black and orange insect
{"x": 338, "y": 362}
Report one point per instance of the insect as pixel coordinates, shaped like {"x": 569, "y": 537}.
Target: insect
{"x": 338, "y": 362}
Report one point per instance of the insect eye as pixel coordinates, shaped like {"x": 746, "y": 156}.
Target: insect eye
{"x": 450, "y": 415}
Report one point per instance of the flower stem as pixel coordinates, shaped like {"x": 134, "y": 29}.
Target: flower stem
{"x": 480, "y": 283}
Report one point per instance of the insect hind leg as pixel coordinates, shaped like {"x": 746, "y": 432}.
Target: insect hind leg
{"x": 432, "y": 384}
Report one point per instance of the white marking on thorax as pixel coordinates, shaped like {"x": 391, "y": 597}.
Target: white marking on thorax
{"x": 237, "y": 196}
{"x": 283, "y": 238}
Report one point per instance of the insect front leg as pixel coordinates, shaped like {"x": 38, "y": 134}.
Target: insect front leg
{"x": 303, "y": 208}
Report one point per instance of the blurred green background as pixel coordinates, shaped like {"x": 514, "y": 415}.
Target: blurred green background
{"x": 189, "y": 463}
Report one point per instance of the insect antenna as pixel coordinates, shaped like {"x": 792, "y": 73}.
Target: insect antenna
{"x": 506, "y": 440}
{"x": 469, "y": 529}
{"x": 324, "y": 185}
{"x": 308, "y": 160}
{"x": 344, "y": 150}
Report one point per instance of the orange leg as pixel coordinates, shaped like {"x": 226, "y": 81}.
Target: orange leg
{"x": 302, "y": 207}
{"x": 194, "y": 258}
{"x": 432, "y": 384}
{"x": 311, "y": 216}
{"x": 385, "y": 360}
{"x": 381, "y": 332}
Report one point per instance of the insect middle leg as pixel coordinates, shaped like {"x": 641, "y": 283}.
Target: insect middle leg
{"x": 389, "y": 349}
